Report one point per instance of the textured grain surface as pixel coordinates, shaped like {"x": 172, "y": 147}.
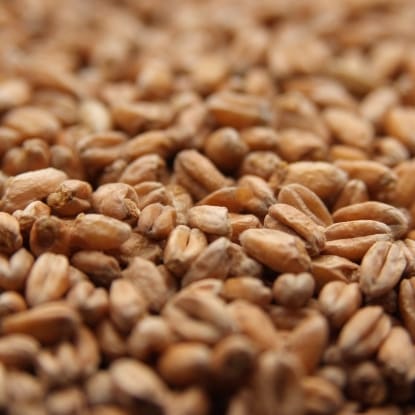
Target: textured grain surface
{"x": 207, "y": 207}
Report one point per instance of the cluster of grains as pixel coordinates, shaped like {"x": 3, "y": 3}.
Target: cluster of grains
{"x": 207, "y": 207}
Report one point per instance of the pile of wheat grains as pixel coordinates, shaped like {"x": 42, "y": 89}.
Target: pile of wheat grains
{"x": 207, "y": 207}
